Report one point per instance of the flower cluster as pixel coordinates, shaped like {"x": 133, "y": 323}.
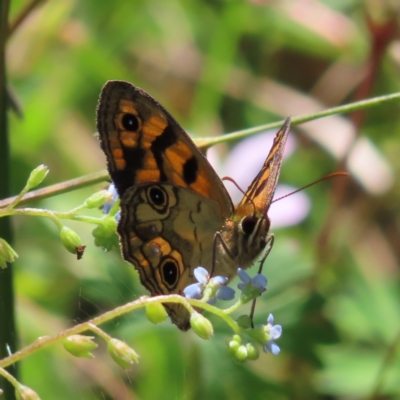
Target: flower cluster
{"x": 243, "y": 344}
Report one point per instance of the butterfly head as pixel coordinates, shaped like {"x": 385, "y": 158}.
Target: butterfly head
{"x": 252, "y": 229}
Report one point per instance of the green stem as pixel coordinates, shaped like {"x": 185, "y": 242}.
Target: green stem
{"x": 55, "y": 216}
{"x": 100, "y": 332}
{"x": 92, "y": 324}
{"x": 8, "y": 332}
{"x": 18, "y": 198}
{"x": 59, "y": 188}
{"x": 129, "y": 307}
{"x": 9, "y": 377}
{"x": 235, "y": 307}
{"x": 217, "y": 311}
{"x": 204, "y": 143}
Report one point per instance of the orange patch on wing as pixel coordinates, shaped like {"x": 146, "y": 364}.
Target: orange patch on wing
{"x": 127, "y": 106}
{"x": 156, "y": 249}
{"x": 203, "y": 184}
{"x": 158, "y": 123}
{"x": 118, "y": 159}
{"x": 178, "y": 257}
{"x": 129, "y": 139}
{"x": 182, "y": 151}
{"x": 149, "y": 161}
{"x": 151, "y": 175}
{"x": 117, "y": 153}
{"x": 173, "y": 158}
{"x": 143, "y": 263}
{"x": 120, "y": 164}
{"x": 151, "y": 129}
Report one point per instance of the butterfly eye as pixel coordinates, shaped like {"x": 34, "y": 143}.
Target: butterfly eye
{"x": 130, "y": 122}
{"x": 248, "y": 224}
{"x": 169, "y": 272}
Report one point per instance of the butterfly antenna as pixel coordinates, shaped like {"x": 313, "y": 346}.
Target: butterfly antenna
{"x": 228, "y": 178}
{"x": 332, "y": 175}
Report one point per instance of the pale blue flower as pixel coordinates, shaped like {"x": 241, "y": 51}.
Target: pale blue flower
{"x": 108, "y": 205}
{"x": 274, "y": 332}
{"x": 258, "y": 284}
{"x": 195, "y": 290}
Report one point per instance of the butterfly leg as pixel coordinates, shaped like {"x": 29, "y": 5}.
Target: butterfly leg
{"x": 269, "y": 243}
{"x": 218, "y": 238}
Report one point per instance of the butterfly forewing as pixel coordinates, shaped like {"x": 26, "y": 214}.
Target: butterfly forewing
{"x": 144, "y": 143}
{"x": 262, "y": 189}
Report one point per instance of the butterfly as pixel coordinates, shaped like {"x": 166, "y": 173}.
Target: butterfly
{"x": 176, "y": 214}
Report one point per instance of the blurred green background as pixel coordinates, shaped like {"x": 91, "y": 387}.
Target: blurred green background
{"x": 218, "y": 66}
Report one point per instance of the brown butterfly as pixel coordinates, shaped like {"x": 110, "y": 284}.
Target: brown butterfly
{"x": 176, "y": 214}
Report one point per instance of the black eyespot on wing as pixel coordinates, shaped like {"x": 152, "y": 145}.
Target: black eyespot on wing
{"x": 130, "y": 122}
{"x": 157, "y": 196}
{"x": 170, "y": 272}
{"x": 248, "y": 224}
{"x": 190, "y": 170}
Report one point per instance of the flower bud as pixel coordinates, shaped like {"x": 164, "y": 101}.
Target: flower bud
{"x": 37, "y": 175}
{"x": 252, "y": 351}
{"x": 71, "y": 241}
{"x": 97, "y": 199}
{"x": 23, "y": 392}
{"x": 80, "y": 345}
{"x": 156, "y": 313}
{"x": 235, "y": 342}
{"x": 258, "y": 334}
{"x": 244, "y": 321}
{"x": 237, "y": 338}
{"x": 201, "y": 325}
{"x": 121, "y": 353}
{"x": 233, "y": 346}
{"x": 7, "y": 253}
{"x": 241, "y": 353}
{"x": 104, "y": 234}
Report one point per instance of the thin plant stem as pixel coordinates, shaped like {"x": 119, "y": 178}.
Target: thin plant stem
{"x": 8, "y": 332}
{"x": 204, "y": 143}
{"x": 59, "y": 188}
{"x": 101, "y": 319}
